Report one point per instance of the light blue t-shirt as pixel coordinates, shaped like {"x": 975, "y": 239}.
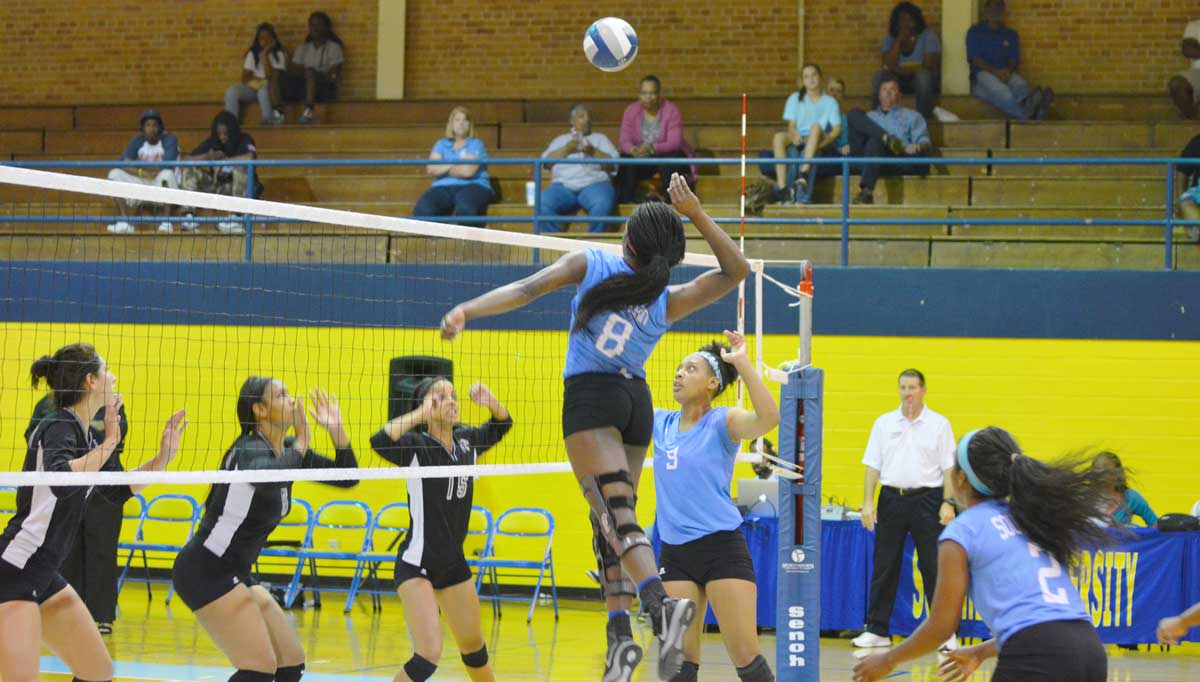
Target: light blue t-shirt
{"x": 614, "y": 341}
{"x": 1014, "y": 583}
{"x": 1135, "y": 505}
{"x": 473, "y": 146}
{"x": 692, "y": 471}
{"x": 806, "y": 113}
{"x": 927, "y": 44}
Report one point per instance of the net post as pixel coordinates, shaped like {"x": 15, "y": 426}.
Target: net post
{"x": 804, "y": 352}
{"x": 798, "y": 554}
{"x": 249, "y": 217}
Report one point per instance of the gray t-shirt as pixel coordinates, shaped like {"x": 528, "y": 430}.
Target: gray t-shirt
{"x": 650, "y": 130}
{"x": 576, "y": 176}
{"x": 321, "y": 58}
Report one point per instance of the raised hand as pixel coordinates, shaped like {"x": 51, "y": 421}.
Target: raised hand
{"x": 112, "y": 417}
{"x": 325, "y": 410}
{"x": 482, "y": 395}
{"x": 453, "y": 323}
{"x": 171, "y": 436}
{"x": 682, "y": 197}
{"x": 737, "y": 348}
{"x": 300, "y": 425}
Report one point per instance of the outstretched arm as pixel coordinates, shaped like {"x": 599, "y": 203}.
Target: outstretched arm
{"x": 684, "y": 299}
{"x": 570, "y": 269}
{"x": 749, "y": 424}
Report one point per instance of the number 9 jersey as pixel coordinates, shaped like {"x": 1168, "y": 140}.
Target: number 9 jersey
{"x": 614, "y": 341}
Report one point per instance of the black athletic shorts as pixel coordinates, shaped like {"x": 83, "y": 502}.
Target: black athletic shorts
{"x": 441, "y": 576}
{"x": 201, "y": 577}
{"x": 17, "y": 584}
{"x": 715, "y": 556}
{"x": 1058, "y": 651}
{"x": 596, "y": 401}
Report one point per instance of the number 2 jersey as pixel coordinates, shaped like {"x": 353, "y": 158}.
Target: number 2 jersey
{"x": 614, "y": 341}
{"x": 1014, "y": 583}
{"x": 439, "y": 509}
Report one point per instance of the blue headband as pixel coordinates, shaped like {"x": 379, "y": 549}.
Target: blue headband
{"x": 964, "y": 463}
{"x": 716, "y": 367}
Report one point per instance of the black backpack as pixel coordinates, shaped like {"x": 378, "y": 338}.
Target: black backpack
{"x": 1178, "y": 523}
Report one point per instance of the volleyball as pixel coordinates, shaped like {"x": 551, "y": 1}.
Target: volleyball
{"x": 610, "y": 44}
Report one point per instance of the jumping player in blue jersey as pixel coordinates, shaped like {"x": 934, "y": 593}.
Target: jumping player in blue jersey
{"x": 620, "y": 311}
{"x": 1020, "y": 526}
{"x": 704, "y": 557}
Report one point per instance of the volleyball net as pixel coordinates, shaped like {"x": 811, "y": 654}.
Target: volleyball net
{"x": 316, "y": 297}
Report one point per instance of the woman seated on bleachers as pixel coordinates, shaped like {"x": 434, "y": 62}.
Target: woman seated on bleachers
{"x": 265, "y": 62}
{"x": 461, "y": 190}
{"x": 814, "y": 123}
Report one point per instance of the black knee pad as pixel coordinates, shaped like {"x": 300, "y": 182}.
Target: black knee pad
{"x": 616, "y": 514}
{"x": 477, "y": 659}
{"x": 418, "y": 669}
{"x": 289, "y": 673}
{"x": 688, "y": 672}
{"x": 251, "y": 676}
{"x": 756, "y": 671}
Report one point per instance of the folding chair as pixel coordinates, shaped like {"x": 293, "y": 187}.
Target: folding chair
{"x": 389, "y": 528}
{"x": 294, "y": 533}
{"x": 523, "y": 527}
{"x": 131, "y": 528}
{"x": 336, "y": 524}
{"x": 161, "y": 526}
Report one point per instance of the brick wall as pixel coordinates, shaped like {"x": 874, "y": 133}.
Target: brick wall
{"x": 117, "y": 51}
{"x": 190, "y": 50}
{"x": 504, "y": 48}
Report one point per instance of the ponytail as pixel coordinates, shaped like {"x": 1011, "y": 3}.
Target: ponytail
{"x": 655, "y": 238}
{"x": 1060, "y": 506}
{"x": 66, "y": 371}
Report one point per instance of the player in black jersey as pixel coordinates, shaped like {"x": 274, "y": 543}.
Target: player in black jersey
{"x": 431, "y": 570}
{"x": 36, "y": 604}
{"x": 212, "y": 572}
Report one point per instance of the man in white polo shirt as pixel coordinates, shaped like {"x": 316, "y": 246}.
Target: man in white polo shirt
{"x": 909, "y": 452}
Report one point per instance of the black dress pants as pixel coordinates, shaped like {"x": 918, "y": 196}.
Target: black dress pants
{"x": 897, "y": 516}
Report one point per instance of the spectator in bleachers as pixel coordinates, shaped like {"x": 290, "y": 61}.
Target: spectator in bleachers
{"x": 888, "y": 130}
{"x": 1189, "y": 201}
{"x": 994, "y": 53}
{"x": 911, "y": 50}
{"x": 1185, "y": 86}
{"x": 226, "y": 141}
{"x": 575, "y": 186}
{"x": 814, "y": 124}
{"x": 461, "y": 190}
{"x": 1127, "y": 501}
{"x": 651, "y": 127}
{"x": 265, "y": 62}
{"x": 837, "y": 90}
{"x": 316, "y": 67}
{"x": 152, "y": 144}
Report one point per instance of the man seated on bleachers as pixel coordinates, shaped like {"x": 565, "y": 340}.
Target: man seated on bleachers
{"x": 152, "y": 144}
{"x": 994, "y": 53}
{"x": 888, "y": 130}
{"x": 577, "y": 185}
{"x": 1185, "y": 85}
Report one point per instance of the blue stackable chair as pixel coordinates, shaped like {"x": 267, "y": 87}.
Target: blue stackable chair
{"x": 338, "y": 516}
{"x": 291, "y": 536}
{"x": 131, "y": 528}
{"x": 390, "y": 525}
{"x": 162, "y": 513}
{"x": 528, "y": 523}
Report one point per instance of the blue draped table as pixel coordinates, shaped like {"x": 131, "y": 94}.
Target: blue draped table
{"x": 1127, "y": 588}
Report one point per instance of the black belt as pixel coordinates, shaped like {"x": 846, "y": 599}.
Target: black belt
{"x": 909, "y": 491}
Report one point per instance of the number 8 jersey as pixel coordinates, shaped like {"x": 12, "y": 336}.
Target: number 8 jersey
{"x": 614, "y": 341}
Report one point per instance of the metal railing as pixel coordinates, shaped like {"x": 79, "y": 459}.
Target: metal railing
{"x": 846, "y": 166}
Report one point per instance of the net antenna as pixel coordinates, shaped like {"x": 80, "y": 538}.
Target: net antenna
{"x": 524, "y": 362}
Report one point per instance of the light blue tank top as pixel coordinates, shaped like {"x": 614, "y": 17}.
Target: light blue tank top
{"x": 614, "y": 341}
{"x": 1014, "y": 583}
{"x": 692, "y": 471}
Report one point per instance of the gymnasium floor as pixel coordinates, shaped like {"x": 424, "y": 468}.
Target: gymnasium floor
{"x": 153, "y": 641}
